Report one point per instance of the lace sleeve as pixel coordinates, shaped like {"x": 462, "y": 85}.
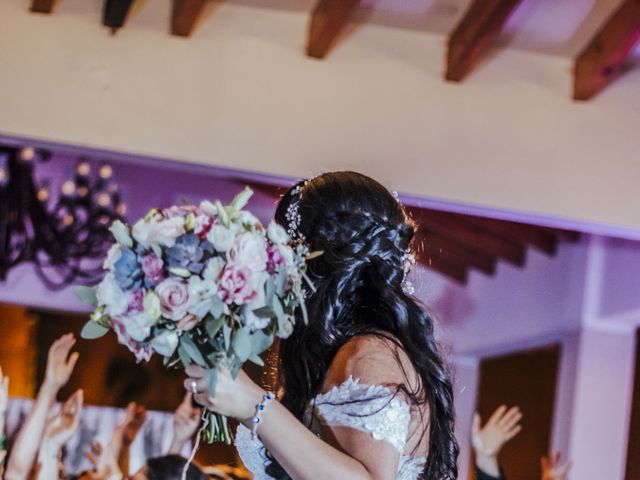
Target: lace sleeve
{"x": 374, "y": 409}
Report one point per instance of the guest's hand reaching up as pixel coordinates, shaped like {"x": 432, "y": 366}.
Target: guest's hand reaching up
{"x": 103, "y": 462}
{"x": 59, "y": 363}
{"x": 487, "y": 441}
{"x": 4, "y": 402}
{"x": 126, "y": 432}
{"x": 186, "y": 420}
{"x": 57, "y": 433}
{"x": 551, "y": 467}
{"x": 65, "y": 424}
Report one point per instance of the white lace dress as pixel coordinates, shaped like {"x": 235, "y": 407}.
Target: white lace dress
{"x": 370, "y": 408}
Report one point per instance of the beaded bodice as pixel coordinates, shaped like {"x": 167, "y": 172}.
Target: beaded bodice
{"x": 374, "y": 409}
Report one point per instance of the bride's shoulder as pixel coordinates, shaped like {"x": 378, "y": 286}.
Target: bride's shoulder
{"x": 372, "y": 359}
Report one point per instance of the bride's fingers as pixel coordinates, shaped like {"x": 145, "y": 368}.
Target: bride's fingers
{"x": 196, "y": 385}
{"x": 196, "y": 371}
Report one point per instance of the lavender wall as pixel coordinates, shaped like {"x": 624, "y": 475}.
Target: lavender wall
{"x": 586, "y": 297}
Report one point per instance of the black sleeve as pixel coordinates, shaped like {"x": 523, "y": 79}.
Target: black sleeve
{"x": 480, "y": 475}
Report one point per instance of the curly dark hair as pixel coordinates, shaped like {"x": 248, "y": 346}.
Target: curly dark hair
{"x": 364, "y": 234}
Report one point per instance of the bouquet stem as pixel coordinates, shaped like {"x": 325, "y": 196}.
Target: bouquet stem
{"x": 216, "y": 428}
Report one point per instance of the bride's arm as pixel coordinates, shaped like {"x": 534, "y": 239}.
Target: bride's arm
{"x": 350, "y": 454}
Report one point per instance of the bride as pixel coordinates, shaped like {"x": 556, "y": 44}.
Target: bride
{"x": 364, "y": 392}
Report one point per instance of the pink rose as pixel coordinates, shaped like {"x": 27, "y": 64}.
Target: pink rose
{"x": 141, "y": 352}
{"x": 135, "y": 302}
{"x": 174, "y": 298}
{"x": 236, "y": 285}
{"x": 275, "y": 259}
{"x": 152, "y": 268}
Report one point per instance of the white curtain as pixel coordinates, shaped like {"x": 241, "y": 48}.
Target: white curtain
{"x": 97, "y": 423}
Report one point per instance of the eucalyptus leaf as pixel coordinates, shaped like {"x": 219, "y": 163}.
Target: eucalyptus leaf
{"x": 269, "y": 290}
{"x": 213, "y": 325}
{"x": 260, "y": 341}
{"x": 264, "y": 312}
{"x": 281, "y": 282}
{"x": 226, "y": 332}
{"x": 212, "y": 380}
{"x": 278, "y": 310}
{"x": 86, "y": 294}
{"x": 184, "y": 356}
{"x": 217, "y": 309}
{"x": 242, "y": 344}
{"x": 256, "y": 359}
{"x": 192, "y": 350}
{"x": 92, "y": 330}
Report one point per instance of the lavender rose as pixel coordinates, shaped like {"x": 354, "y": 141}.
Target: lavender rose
{"x": 174, "y": 298}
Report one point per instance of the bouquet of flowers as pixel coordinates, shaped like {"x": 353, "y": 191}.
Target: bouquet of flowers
{"x": 204, "y": 284}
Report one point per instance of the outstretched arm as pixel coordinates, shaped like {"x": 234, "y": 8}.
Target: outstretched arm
{"x": 347, "y": 453}
{"x": 59, "y": 368}
{"x": 487, "y": 441}
{"x": 58, "y": 432}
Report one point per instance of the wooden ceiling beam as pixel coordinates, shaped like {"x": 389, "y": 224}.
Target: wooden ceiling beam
{"x": 454, "y": 271}
{"x": 433, "y": 245}
{"x": 601, "y": 61}
{"x": 519, "y": 232}
{"x": 451, "y": 225}
{"x": 184, "y": 16}
{"x": 327, "y": 21}
{"x": 475, "y": 33}
{"x": 114, "y": 13}
{"x": 42, "y": 6}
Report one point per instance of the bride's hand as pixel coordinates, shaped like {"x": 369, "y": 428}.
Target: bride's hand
{"x": 235, "y": 398}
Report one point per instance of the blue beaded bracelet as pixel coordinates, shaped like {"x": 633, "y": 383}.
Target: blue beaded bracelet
{"x": 261, "y": 407}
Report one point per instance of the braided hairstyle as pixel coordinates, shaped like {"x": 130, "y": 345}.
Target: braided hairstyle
{"x": 364, "y": 234}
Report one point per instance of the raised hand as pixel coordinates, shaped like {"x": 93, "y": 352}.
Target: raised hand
{"x": 487, "y": 441}
{"x": 125, "y": 433}
{"x": 4, "y": 393}
{"x": 551, "y": 467}
{"x": 63, "y": 426}
{"x": 103, "y": 462}
{"x": 186, "y": 420}
{"x": 59, "y": 363}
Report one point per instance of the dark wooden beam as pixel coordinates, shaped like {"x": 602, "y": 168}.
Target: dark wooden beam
{"x": 453, "y": 226}
{"x": 519, "y": 232}
{"x": 327, "y": 21}
{"x": 433, "y": 245}
{"x": 42, "y": 6}
{"x": 480, "y": 25}
{"x": 601, "y": 61}
{"x": 452, "y": 270}
{"x": 185, "y": 15}
{"x": 114, "y": 13}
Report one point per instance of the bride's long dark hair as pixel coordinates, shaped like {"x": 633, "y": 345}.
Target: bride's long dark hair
{"x": 364, "y": 234}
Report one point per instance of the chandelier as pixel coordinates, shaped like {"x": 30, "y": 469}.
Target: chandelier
{"x": 64, "y": 233}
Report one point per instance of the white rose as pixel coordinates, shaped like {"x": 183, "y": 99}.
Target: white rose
{"x": 113, "y": 255}
{"x": 121, "y": 233}
{"x": 250, "y": 319}
{"x": 221, "y": 238}
{"x": 289, "y": 258}
{"x": 158, "y": 230}
{"x": 110, "y": 295}
{"x": 277, "y": 234}
{"x": 165, "y": 343}
{"x": 213, "y": 268}
{"x": 138, "y": 326}
{"x": 250, "y": 251}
